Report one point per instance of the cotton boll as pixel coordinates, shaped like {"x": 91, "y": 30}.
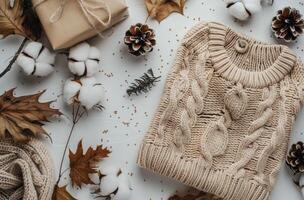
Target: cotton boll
{"x": 27, "y": 64}
{"x": 90, "y": 94}
{"x": 80, "y": 52}
{"x": 87, "y": 91}
{"x": 46, "y": 56}
{"x": 32, "y": 49}
{"x": 84, "y": 60}
{"x": 77, "y": 68}
{"x": 120, "y": 188}
{"x": 70, "y": 90}
{"x": 238, "y": 11}
{"x": 108, "y": 184}
{"x": 43, "y": 69}
{"x": 36, "y": 60}
{"x": 253, "y": 6}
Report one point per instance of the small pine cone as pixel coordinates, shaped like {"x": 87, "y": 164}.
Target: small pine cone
{"x": 295, "y": 158}
{"x": 288, "y": 24}
{"x": 140, "y": 39}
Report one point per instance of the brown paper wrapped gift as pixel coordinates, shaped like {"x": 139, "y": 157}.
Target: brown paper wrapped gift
{"x": 73, "y": 25}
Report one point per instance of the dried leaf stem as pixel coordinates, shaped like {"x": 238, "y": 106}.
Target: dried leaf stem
{"x": 13, "y": 60}
{"x": 77, "y": 113}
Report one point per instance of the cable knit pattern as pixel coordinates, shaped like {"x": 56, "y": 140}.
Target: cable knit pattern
{"x": 236, "y": 101}
{"x": 214, "y": 140}
{"x": 276, "y": 139}
{"x": 26, "y": 171}
{"x": 227, "y": 111}
{"x": 194, "y": 104}
{"x": 181, "y": 85}
{"x": 248, "y": 147}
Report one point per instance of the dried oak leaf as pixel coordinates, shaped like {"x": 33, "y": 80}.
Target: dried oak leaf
{"x": 60, "y": 193}
{"x": 22, "y": 117}
{"x": 81, "y": 165}
{"x": 195, "y": 196}
{"x": 160, "y": 9}
{"x": 13, "y": 20}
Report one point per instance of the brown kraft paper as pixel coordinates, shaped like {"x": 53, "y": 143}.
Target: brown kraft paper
{"x": 73, "y": 26}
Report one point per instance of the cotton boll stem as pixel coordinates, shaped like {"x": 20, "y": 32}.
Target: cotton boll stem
{"x": 77, "y": 114}
{"x": 13, "y": 60}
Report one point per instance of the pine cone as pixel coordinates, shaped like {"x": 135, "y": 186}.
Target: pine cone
{"x": 295, "y": 158}
{"x": 140, "y": 39}
{"x": 288, "y": 24}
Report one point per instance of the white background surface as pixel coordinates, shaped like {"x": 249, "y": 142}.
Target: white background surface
{"x": 122, "y": 125}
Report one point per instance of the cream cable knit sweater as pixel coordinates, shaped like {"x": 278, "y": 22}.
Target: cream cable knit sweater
{"x": 224, "y": 120}
{"x": 26, "y": 171}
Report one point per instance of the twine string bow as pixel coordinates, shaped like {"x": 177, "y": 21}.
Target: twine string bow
{"x": 87, "y": 9}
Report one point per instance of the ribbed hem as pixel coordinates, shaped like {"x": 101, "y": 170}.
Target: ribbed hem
{"x": 165, "y": 161}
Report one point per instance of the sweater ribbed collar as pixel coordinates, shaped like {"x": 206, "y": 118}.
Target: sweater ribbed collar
{"x": 220, "y": 39}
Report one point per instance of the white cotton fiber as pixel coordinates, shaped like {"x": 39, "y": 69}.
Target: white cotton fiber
{"x": 27, "y": 64}
{"x": 238, "y": 11}
{"x": 32, "y": 49}
{"x": 123, "y": 192}
{"x": 94, "y": 53}
{"x": 252, "y": 5}
{"x": 77, "y": 68}
{"x": 80, "y": 52}
{"x": 35, "y": 62}
{"x": 84, "y": 60}
{"x": 46, "y": 56}
{"x": 91, "y": 95}
{"x": 70, "y": 90}
{"x": 92, "y": 67}
{"x": 43, "y": 69}
{"x": 108, "y": 184}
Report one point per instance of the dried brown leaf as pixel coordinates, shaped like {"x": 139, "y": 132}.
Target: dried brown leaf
{"x": 81, "y": 165}
{"x": 161, "y": 9}
{"x": 12, "y": 20}
{"x": 22, "y": 117}
{"x": 60, "y": 193}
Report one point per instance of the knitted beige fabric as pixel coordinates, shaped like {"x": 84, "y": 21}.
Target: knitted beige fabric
{"x": 26, "y": 171}
{"x": 227, "y": 110}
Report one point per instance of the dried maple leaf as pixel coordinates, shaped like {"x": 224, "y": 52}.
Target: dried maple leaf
{"x": 22, "y": 117}
{"x": 81, "y": 165}
{"x": 16, "y": 20}
{"x": 60, "y": 193}
{"x": 160, "y": 9}
{"x": 195, "y": 196}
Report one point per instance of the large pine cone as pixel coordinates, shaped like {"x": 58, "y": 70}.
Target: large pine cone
{"x": 288, "y": 24}
{"x": 140, "y": 39}
{"x": 295, "y": 158}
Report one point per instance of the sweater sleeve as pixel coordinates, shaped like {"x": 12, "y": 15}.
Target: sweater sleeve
{"x": 297, "y": 76}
